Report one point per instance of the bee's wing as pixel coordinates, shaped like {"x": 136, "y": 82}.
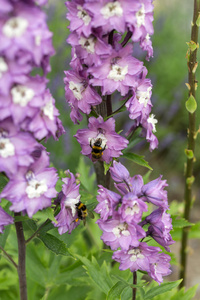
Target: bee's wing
{"x": 90, "y": 214}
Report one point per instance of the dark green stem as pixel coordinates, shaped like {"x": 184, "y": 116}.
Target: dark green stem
{"x": 9, "y": 257}
{"x": 21, "y": 259}
{"x": 134, "y": 282}
{"x": 191, "y": 144}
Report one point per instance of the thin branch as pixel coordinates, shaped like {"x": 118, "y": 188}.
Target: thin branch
{"x": 9, "y": 257}
{"x": 191, "y": 143}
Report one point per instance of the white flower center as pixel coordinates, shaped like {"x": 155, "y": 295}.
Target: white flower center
{"x": 87, "y": 44}
{"x": 6, "y": 148}
{"x": 77, "y": 89}
{"x": 15, "y": 27}
{"x": 144, "y": 96}
{"x": 101, "y": 138}
{"x": 135, "y": 254}
{"x": 118, "y": 73}
{"x": 48, "y": 110}
{"x": 3, "y": 66}
{"x": 82, "y": 14}
{"x": 140, "y": 16}
{"x": 71, "y": 202}
{"x": 147, "y": 37}
{"x": 38, "y": 40}
{"x": 36, "y": 188}
{"x": 121, "y": 229}
{"x": 152, "y": 121}
{"x": 132, "y": 210}
{"x": 112, "y": 9}
{"x": 22, "y": 95}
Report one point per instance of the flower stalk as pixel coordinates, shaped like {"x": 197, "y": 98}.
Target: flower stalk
{"x": 21, "y": 259}
{"x": 192, "y": 85}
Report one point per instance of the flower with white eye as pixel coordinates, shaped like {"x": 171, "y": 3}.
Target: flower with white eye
{"x": 15, "y": 27}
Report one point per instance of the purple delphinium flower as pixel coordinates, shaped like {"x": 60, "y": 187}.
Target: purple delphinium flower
{"x": 117, "y": 72}
{"x": 160, "y": 227}
{"x": 154, "y": 193}
{"x": 139, "y": 105}
{"x": 67, "y": 217}
{"x": 108, "y": 202}
{"x": 144, "y": 258}
{"x": 45, "y": 122}
{"x": 26, "y": 32}
{"x": 132, "y": 208}
{"x": 24, "y": 100}
{"x": 117, "y": 233}
{"x": 90, "y": 49}
{"x": 123, "y": 182}
{"x": 97, "y": 129}
{"x": 32, "y": 188}
{"x": 5, "y": 219}
{"x": 160, "y": 267}
{"x": 79, "y": 94}
{"x": 79, "y": 17}
{"x": 13, "y": 148}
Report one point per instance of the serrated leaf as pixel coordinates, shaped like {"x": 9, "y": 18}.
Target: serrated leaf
{"x": 116, "y": 290}
{"x": 191, "y": 292}
{"x": 180, "y": 223}
{"x": 164, "y": 287}
{"x": 102, "y": 280}
{"x": 137, "y": 159}
{"x": 54, "y": 244}
{"x": 191, "y": 104}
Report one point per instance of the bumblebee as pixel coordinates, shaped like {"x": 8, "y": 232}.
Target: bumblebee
{"x": 82, "y": 212}
{"x": 97, "y": 150}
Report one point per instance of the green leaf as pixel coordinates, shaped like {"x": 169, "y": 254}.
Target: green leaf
{"x": 54, "y": 244}
{"x": 98, "y": 275}
{"x": 45, "y": 214}
{"x": 86, "y": 179}
{"x": 180, "y": 222}
{"x": 192, "y": 45}
{"x": 164, "y": 287}
{"x": 4, "y": 236}
{"x": 191, "y": 104}
{"x": 21, "y": 218}
{"x": 116, "y": 290}
{"x": 198, "y": 21}
{"x": 137, "y": 159}
{"x": 189, "y": 153}
{"x": 106, "y": 167}
{"x": 191, "y": 292}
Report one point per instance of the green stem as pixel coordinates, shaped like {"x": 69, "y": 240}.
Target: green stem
{"x": 21, "y": 259}
{"x": 134, "y": 282}
{"x": 191, "y": 144}
{"x": 9, "y": 257}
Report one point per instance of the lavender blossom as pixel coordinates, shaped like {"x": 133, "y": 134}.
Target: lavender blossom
{"x": 32, "y": 188}
{"x": 13, "y": 150}
{"x": 67, "y": 217}
{"x": 145, "y": 258}
{"x": 108, "y": 202}
{"x": 117, "y": 233}
{"x": 111, "y": 142}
